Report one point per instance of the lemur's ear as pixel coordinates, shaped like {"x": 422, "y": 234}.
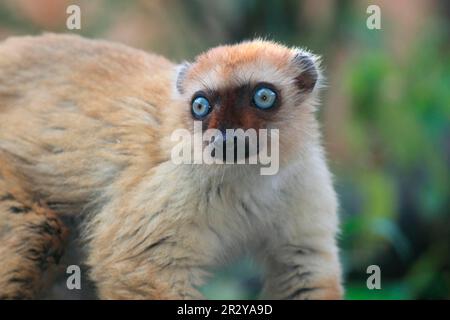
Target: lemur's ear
{"x": 181, "y": 72}
{"x": 308, "y": 67}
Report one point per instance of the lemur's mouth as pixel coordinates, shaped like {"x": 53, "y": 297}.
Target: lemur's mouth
{"x": 234, "y": 148}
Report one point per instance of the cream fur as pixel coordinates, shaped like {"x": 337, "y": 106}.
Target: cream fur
{"x": 88, "y": 125}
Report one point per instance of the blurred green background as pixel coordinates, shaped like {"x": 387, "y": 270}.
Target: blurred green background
{"x": 386, "y": 116}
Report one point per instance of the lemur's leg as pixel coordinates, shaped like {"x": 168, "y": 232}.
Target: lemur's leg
{"x": 303, "y": 271}
{"x": 145, "y": 251}
{"x": 302, "y": 260}
{"x": 31, "y": 242}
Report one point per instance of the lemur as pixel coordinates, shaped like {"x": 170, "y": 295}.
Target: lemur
{"x": 85, "y": 130}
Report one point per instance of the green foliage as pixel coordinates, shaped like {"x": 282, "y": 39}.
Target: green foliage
{"x": 400, "y": 127}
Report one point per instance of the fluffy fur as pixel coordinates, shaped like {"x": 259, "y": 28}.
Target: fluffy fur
{"x": 85, "y": 130}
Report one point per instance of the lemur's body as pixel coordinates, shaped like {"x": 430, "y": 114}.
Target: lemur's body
{"x": 85, "y": 129}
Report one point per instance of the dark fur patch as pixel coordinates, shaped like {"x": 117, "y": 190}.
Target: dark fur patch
{"x": 17, "y": 210}
{"x": 7, "y": 197}
{"x": 157, "y": 243}
{"x": 300, "y": 292}
{"x": 233, "y": 108}
{"x": 15, "y": 296}
{"x": 45, "y": 228}
{"x": 309, "y": 75}
{"x": 24, "y": 281}
{"x": 296, "y": 277}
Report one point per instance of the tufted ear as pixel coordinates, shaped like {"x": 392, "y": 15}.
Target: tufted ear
{"x": 308, "y": 70}
{"x": 181, "y": 72}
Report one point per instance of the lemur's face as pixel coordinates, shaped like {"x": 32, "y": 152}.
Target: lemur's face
{"x": 252, "y": 85}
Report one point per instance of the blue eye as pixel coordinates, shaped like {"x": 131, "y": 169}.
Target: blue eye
{"x": 200, "y": 107}
{"x": 264, "y": 98}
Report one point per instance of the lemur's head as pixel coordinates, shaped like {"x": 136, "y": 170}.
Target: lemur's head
{"x": 253, "y": 85}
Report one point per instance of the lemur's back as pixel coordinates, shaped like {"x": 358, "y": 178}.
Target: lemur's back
{"x": 74, "y": 112}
